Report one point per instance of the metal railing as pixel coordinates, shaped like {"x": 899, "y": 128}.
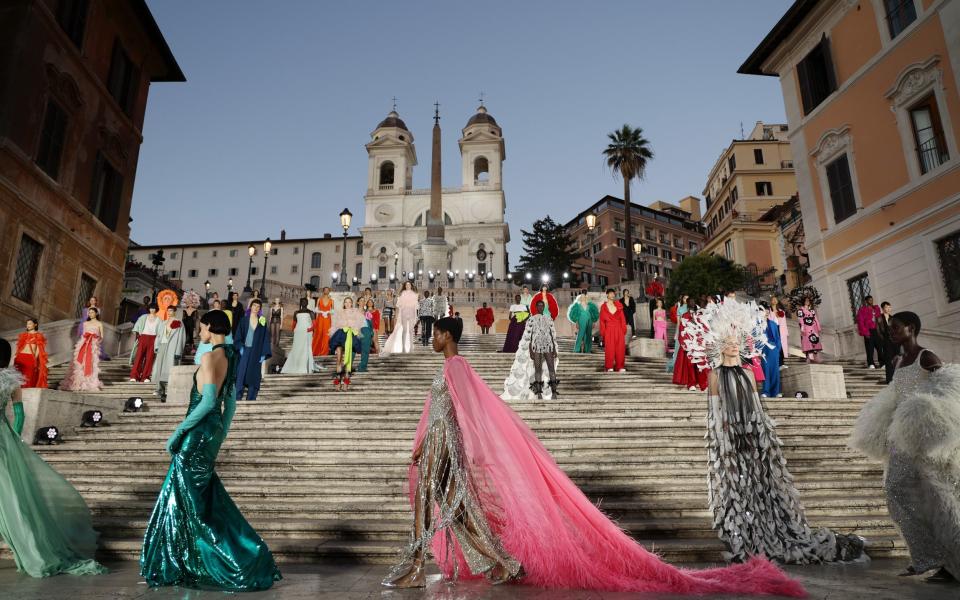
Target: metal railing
{"x": 932, "y": 154}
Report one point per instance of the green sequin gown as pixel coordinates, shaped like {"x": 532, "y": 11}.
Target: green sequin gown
{"x": 43, "y": 519}
{"x": 196, "y": 536}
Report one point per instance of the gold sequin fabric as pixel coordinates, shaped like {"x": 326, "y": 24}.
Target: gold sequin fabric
{"x": 446, "y": 501}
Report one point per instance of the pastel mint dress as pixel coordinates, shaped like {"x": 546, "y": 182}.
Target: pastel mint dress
{"x": 43, "y": 519}
{"x": 196, "y": 536}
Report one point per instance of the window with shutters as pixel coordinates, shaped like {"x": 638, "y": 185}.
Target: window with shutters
{"x": 732, "y": 162}
{"x": 52, "y": 138}
{"x": 232, "y": 271}
{"x": 124, "y": 78}
{"x": 841, "y": 188}
{"x": 72, "y": 17}
{"x": 233, "y": 253}
{"x": 315, "y": 260}
{"x": 25, "y": 272}
{"x": 315, "y": 282}
{"x": 928, "y": 134}
{"x": 88, "y": 285}
{"x": 192, "y": 273}
{"x": 764, "y": 188}
{"x": 211, "y": 272}
{"x": 359, "y": 247}
{"x": 899, "y": 15}
{"x": 105, "y": 193}
{"x": 948, "y": 258}
{"x": 273, "y": 269}
{"x": 758, "y": 156}
{"x": 816, "y": 76}
{"x": 294, "y": 268}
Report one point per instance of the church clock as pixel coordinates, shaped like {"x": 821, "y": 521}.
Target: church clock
{"x": 384, "y": 213}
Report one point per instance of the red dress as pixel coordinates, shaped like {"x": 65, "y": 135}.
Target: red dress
{"x": 33, "y": 368}
{"x": 550, "y": 301}
{"x": 685, "y": 373}
{"x": 613, "y": 330}
{"x": 485, "y": 317}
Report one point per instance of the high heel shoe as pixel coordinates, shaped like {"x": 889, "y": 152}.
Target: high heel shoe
{"x": 413, "y": 577}
{"x": 336, "y": 381}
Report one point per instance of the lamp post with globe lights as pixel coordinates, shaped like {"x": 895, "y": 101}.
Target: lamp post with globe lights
{"x": 206, "y": 285}
{"x": 637, "y": 251}
{"x": 251, "y": 252}
{"x": 591, "y": 227}
{"x": 345, "y": 217}
{"x": 266, "y": 255}
{"x": 396, "y": 259}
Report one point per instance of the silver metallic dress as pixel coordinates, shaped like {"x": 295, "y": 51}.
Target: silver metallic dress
{"x": 446, "y": 501}
{"x": 756, "y": 507}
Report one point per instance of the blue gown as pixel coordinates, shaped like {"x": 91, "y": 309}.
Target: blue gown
{"x": 43, "y": 519}
{"x": 196, "y": 536}
{"x": 771, "y": 361}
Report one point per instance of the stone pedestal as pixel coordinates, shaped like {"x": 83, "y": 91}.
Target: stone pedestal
{"x": 63, "y": 410}
{"x": 179, "y": 386}
{"x": 434, "y": 257}
{"x": 822, "y": 382}
{"x": 647, "y": 348}
{"x": 641, "y": 320}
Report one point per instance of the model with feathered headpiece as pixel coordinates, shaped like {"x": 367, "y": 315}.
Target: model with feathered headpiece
{"x": 718, "y": 325}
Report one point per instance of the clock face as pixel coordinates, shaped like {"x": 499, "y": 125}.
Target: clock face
{"x": 384, "y": 213}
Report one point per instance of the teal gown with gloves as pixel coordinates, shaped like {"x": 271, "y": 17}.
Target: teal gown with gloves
{"x": 196, "y": 536}
{"x": 43, "y": 519}
{"x": 583, "y": 317}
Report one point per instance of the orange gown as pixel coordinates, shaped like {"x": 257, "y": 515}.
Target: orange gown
{"x": 321, "y": 327}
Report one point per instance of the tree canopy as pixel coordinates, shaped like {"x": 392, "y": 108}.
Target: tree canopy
{"x": 547, "y": 249}
{"x": 705, "y": 274}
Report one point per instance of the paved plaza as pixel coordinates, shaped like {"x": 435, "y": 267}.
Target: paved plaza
{"x": 876, "y": 581}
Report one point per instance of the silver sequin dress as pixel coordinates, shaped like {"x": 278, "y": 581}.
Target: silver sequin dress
{"x": 446, "y": 501}
{"x": 756, "y": 507}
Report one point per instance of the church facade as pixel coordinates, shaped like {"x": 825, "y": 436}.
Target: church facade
{"x": 396, "y": 215}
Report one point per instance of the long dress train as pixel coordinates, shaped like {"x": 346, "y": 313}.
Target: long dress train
{"x": 755, "y": 505}
{"x": 43, "y": 519}
{"x": 196, "y": 536}
{"x": 83, "y": 374}
{"x": 300, "y": 359}
{"x": 517, "y": 384}
{"x": 518, "y": 509}
{"x": 401, "y": 340}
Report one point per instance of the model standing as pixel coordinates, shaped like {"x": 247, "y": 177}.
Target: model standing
{"x": 426, "y": 314}
{"x": 43, "y": 520}
{"x": 345, "y": 333}
{"x": 891, "y": 350}
{"x": 169, "y": 348}
{"x": 190, "y": 304}
{"x": 236, "y": 308}
{"x": 540, "y": 527}
{"x": 914, "y": 427}
{"x": 781, "y": 315}
{"x": 810, "y": 342}
{"x": 300, "y": 360}
{"x": 549, "y": 302}
{"x": 660, "y": 322}
{"x": 543, "y": 348}
{"x": 485, "y": 318}
{"x": 524, "y": 381}
{"x": 401, "y": 339}
{"x": 755, "y": 505}
{"x": 613, "y": 330}
{"x": 368, "y": 334}
{"x": 685, "y": 373}
{"x": 629, "y": 310}
{"x": 321, "y": 326}
{"x": 252, "y": 343}
{"x": 143, "y": 352}
{"x": 276, "y": 322}
{"x": 867, "y": 317}
{"x": 771, "y": 355}
{"x": 31, "y": 357}
{"x": 583, "y": 314}
{"x": 83, "y": 375}
{"x": 196, "y": 536}
{"x": 389, "y": 311}
{"x": 519, "y": 312}
{"x": 93, "y": 302}
{"x": 676, "y": 314}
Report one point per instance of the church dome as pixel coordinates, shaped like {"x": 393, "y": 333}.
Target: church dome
{"x": 482, "y": 117}
{"x": 393, "y": 120}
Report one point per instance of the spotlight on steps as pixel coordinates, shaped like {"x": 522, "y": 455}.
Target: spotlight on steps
{"x": 133, "y": 404}
{"x": 276, "y": 369}
{"x": 47, "y": 435}
{"x": 801, "y": 395}
{"x": 93, "y": 418}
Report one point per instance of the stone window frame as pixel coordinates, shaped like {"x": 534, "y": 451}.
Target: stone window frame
{"x": 831, "y": 145}
{"x": 40, "y": 274}
{"x": 929, "y": 238}
{"x": 914, "y": 83}
{"x": 880, "y": 12}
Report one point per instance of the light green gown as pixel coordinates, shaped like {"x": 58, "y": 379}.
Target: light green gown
{"x": 43, "y": 519}
{"x": 583, "y": 317}
{"x": 196, "y": 536}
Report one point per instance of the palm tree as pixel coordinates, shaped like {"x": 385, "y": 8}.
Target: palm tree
{"x": 627, "y": 155}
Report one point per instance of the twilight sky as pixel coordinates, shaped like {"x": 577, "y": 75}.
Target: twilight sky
{"x": 281, "y": 96}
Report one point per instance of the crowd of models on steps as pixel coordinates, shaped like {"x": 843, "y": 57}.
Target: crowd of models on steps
{"x": 488, "y": 499}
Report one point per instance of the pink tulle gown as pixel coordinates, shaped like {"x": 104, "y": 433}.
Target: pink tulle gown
{"x": 489, "y": 499}
{"x": 83, "y": 375}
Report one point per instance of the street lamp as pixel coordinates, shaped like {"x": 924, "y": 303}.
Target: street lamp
{"x": 251, "y": 252}
{"x": 345, "y": 217}
{"x": 591, "y": 226}
{"x": 266, "y": 255}
{"x": 637, "y": 251}
{"x": 230, "y": 285}
{"x": 206, "y": 284}
{"x": 396, "y": 259}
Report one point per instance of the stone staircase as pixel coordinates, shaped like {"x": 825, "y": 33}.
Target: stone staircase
{"x": 321, "y": 474}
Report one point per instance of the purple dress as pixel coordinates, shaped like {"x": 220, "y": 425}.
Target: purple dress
{"x": 514, "y": 333}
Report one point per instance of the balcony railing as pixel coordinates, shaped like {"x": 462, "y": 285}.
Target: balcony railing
{"x": 385, "y": 186}
{"x": 786, "y": 164}
{"x": 932, "y": 154}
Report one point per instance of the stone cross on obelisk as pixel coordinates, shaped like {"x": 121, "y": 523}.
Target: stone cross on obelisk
{"x": 434, "y": 248}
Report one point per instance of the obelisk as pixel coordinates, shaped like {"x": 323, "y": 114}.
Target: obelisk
{"x": 435, "y": 246}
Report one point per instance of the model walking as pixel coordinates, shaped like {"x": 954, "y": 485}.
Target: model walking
{"x": 345, "y": 339}
{"x": 613, "y": 331}
{"x": 401, "y": 340}
{"x": 144, "y": 350}
{"x": 169, "y": 350}
{"x": 755, "y": 505}
{"x": 196, "y": 536}
{"x": 804, "y": 301}
{"x": 685, "y": 372}
{"x": 676, "y": 313}
{"x": 914, "y": 427}
{"x": 31, "y": 356}
{"x": 300, "y": 359}
{"x": 660, "y": 322}
{"x": 43, "y": 520}
{"x": 583, "y": 314}
{"x": 83, "y": 374}
{"x": 519, "y": 312}
{"x": 525, "y": 380}
{"x": 276, "y": 322}
{"x": 526, "y": 519}
{"x": 252, "y": 344}
{"x": 321, "y": 326}
{"x": 389, "y": 311}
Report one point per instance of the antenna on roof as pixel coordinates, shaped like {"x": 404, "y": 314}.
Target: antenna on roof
{"x": 742, "y": 136}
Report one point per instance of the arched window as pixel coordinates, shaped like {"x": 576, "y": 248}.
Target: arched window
{"x": 481, "y": 170}
{"x": 386, "y": 173}
{"x": 315, "y": 260}
{"x": 447, "y": 220}
{"x": 315, "y": 282}
{"x": 419, "y": 221}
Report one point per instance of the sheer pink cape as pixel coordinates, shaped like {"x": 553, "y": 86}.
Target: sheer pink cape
{"x": 545, "y": 521}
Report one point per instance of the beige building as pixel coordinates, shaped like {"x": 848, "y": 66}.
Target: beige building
{"x": 872, "y": 95}
{"x": 750, "y": 177}
{"x": 291, "y": 262}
